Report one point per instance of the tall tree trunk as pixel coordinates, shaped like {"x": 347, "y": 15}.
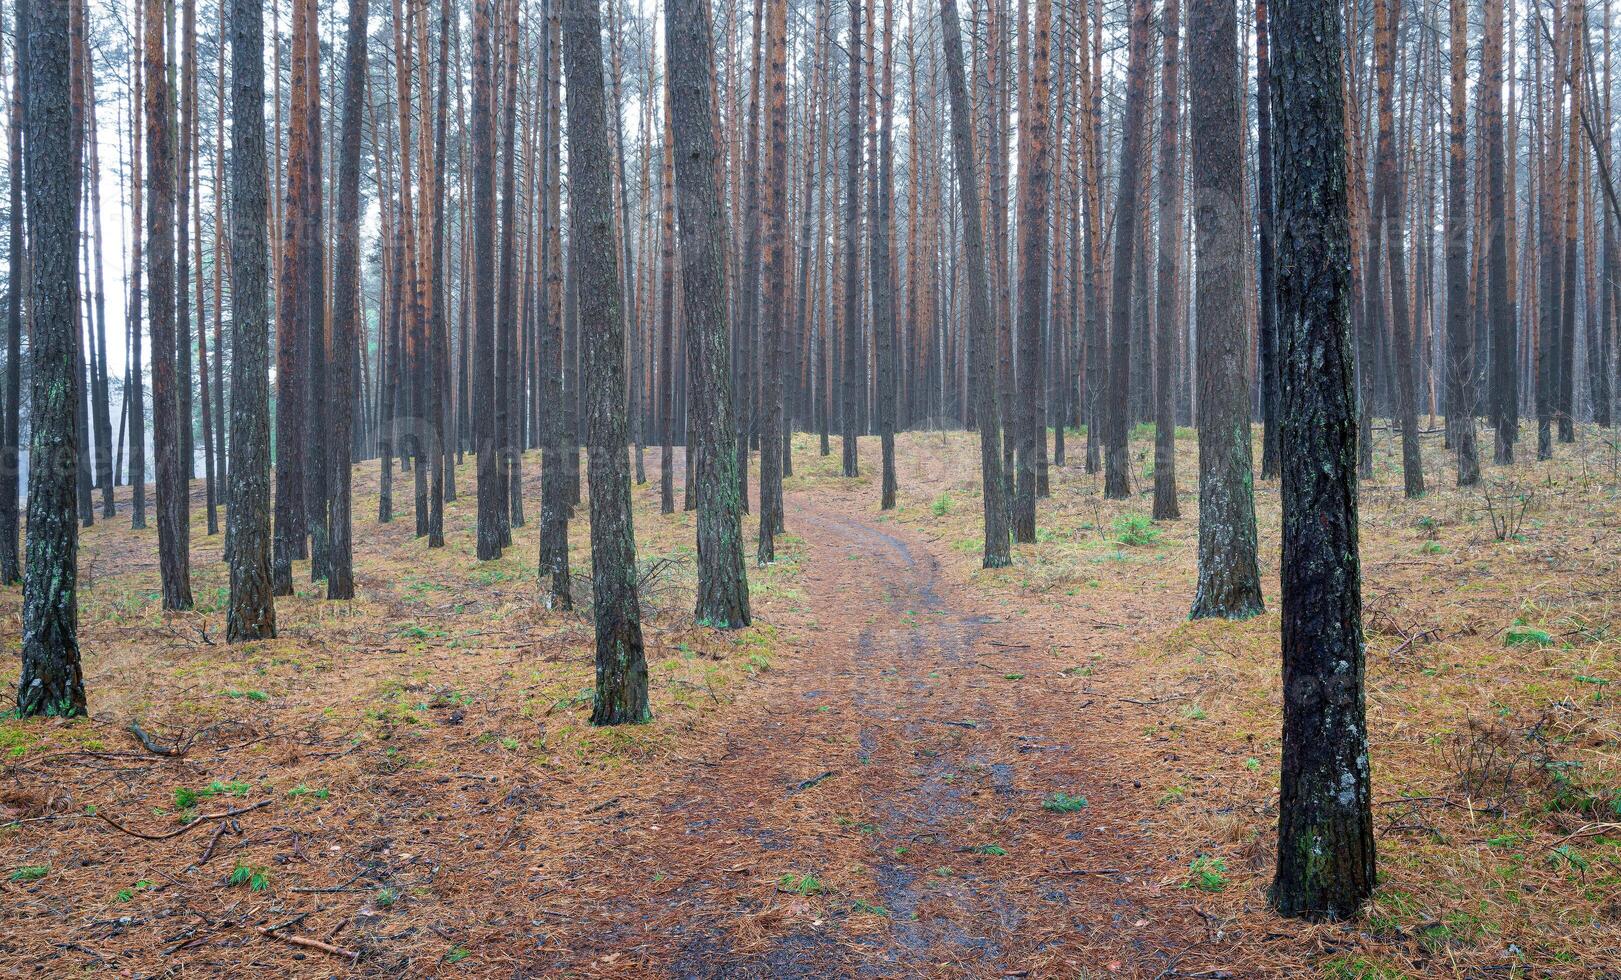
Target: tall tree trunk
{"x": 134, "y": 382}
{"x": 1265, "y": 207}
{"x": 1387, "y": 18}
{"x": 981, "y": 327}
{"x": 1167, "y": 315}
{"x": 312, "y": 289}
{"x": 883, "y": 284}
{"x": 554, "y": 504}
{"x": 1035, "y": 178}
{"x": 252, "y": 613}
{"x": 666, "y": 364}
{"x": 621, "y": 692}
{"x": 775, "y": 286}
{"x": 1117, "y": 461}
{"x": 1325, "y": 865}
{"x": 1460, "y": 334}
{"x": 11, "y": 407}
{"x": 340, "y": 582}
{"x": 1229, "y": 577}
{"x": 1504, "y": 389}
{"x": 173, "y": 496}
{"x": 853, "y": 368}
{"x": 292, "y": 330}
{"x": 723, "y": 589}
{"x": 485, "y": 434}
{"x": 51, "y": 681}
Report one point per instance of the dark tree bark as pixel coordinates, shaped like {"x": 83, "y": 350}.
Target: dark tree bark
{"x": 134, "y": 382}
{"x": 51, "y": 682}
{"x": 775, "y": 286}
{"x": 981, "y": 328}
{"x": 1387, "y": 18}
{"x": 1504, "y": 395}
{"x": 485, "y": 433}
{"x": 1035, "y": 176}
{"x": 292, "y": 330}
{"x": 312, "y": 295}
{"x": 1325, "y": 824}
{"x": 853, "y": 369}
{"x": 1116, "y": 457}
{"x": 442, "y": 479}
{"x": 506, "y": 304}
{"x": 1229, "y": 577}
{"x": 1460, "y": 333}
{"x": 621, "y": 694}
{"x": 723, "y": 588}
{"x": 666, "y": 364}
{"x": 340, "y": 581}
{"x": 188, "y": 137}
{"x": 252, "y": 611}
{"x": 883, "y": 286}
{"x": 554, "y": 479}
{"x": 1265, "y": 205}
{"x": 11, "y": 415}
{"x": 1168, "y": 298}
{"x": 173, "y": 495}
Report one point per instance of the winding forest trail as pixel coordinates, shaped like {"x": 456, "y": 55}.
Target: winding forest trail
{"x": 901, "y": 761}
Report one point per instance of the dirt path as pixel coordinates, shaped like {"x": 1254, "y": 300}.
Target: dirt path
{"x": 892, "y": 763}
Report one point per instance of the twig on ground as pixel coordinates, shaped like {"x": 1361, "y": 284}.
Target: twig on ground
{"x": 190, "y": 826}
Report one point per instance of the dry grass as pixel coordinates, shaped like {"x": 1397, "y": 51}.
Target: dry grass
{"x": 433, "y": 799}
{"x": 1493, "y": 668}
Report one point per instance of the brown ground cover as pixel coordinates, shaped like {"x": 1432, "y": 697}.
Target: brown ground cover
{"x": 907, "y": 767}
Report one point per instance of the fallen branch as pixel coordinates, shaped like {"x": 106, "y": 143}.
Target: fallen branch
{"x": 351, "y": 955}
{"x": 808, "y": 783}
{"x": 188, "y": 827}
{"x": 151, "y": 744}
{"x": 213, "y": 842}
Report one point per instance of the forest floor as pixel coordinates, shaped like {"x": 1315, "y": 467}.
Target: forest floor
{"x": 908, "y": 766}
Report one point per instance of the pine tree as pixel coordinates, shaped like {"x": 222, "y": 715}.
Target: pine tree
{"x": 723, "y": 590}
{"x": 621, "y": 691}
{"x": 980, "y": 325}
{"x": 340, "y": 582}
{"x": 51, "y": 681}
{"x": 1229, "y": 578}
{"x": 1325, "y": 863}
{"x": 1116, "y": 460}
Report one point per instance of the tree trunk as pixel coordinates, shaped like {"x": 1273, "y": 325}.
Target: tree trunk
{"x": 292, "y": 333}
{"x": 1460, "y": 334}
{"x": 485, "y": 432}
{"x": 723, "y": 589}
{"x": 1167, "y": 316}
{"x": 1504, "y": 335}
{"x": 1265, "y": 207}
{"x": 51, "y": 682}
{"x": 1387, "y": 18}
{"x": 621, "y": 692}
{"x": 11, "y": 407}
{"x": 252, "y": 613}
{"x": 173, "y": 496}
{"x": 1325, "y": 862}
{"x": 853, "y": 368}
{"x": 981, "y": 328}
{"x": 1229, "y": 579}
{"x": 554, "y": 504}
{"x": 1117, "y": 461}
{"x": 340, "y": 582}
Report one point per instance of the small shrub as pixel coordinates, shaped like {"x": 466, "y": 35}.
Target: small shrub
{"x": 1063, "y": 803}
{"x": 1207, "y": 874}
{"x": 942, "y": 505}
{"x": 1135, "y": 530}
{"x": 31, "y": 872}
{"x": 800, "y": 885}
